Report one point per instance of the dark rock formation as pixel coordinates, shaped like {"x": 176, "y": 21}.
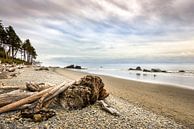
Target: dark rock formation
{"x": 146, "y": 70}
{"x": 156, "y": 70}
{"x": 70, "y": 67}
{"x": 181, "y": 71}
{"x": 73, "y": 67}
{"x": 78, "y": 67}
{"x": 138, "y": 68}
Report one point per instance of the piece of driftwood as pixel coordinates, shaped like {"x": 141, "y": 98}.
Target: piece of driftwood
{"x": 32, "y": 86}
{"x": 12, "y": 69}
{"x": 51, "y": 94}
{"x": 13, "y": 96}
{"x": 42, "y": 94}
{"x": 21, "y": 102}
{"x": 108, "y": 108}
{"x": 10, "y": 87}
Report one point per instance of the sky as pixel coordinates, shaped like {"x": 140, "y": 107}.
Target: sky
{"x": 104, "y": 31}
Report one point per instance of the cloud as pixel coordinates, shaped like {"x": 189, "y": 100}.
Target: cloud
{"x": 104, "y": 29}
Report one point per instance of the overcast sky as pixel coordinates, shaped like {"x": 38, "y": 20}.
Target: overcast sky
{"x": 104, "y": 30}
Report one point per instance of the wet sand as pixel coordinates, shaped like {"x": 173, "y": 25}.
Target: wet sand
{"x": 171, "y": 101}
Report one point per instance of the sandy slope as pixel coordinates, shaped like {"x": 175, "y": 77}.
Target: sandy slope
{"x": 171, "y": 101}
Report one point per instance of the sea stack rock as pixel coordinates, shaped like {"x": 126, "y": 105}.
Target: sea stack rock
{"x": 156, "y": 70}
{"x": 70, "y": 66}
{"x": 138, "y": 68}
{"x": 78, "y": 67}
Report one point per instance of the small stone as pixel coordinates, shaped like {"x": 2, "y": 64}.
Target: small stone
{"x": 37, "y": 117}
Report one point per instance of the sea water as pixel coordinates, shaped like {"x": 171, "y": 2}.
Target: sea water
{"x": 173, "y": 76}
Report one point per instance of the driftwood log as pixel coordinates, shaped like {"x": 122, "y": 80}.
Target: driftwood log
{"x": 70, "y": 95}
{"x": 13, "y": 96}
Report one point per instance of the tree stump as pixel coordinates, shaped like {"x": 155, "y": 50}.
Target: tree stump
{"x": 84, "y": 92}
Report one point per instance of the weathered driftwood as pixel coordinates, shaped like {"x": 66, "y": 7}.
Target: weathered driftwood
{"x": 21, "y": 102}
{"x": 13, "y": 96}
{"x": 108, "y": 108}
{"x": 51, "y": 94}
{"x": 11, "y": 87}
{"x": 12, "y": 69}
{"x": 40, "y": 95}
{"x": 32, "y": 86}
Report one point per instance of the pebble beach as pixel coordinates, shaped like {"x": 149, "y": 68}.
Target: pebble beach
{"x": 133, "y": 115}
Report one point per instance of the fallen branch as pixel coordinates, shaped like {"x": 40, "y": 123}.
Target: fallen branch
{"x": 108, "y": 108}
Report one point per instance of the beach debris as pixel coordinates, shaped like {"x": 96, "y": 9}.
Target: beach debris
{"x": 36, "y": 97}
{"x": 42, "y": 115}
{"x": 13, "y": 74}
{"x": 12, "y": 69}
{"x": 109, "y": 109}
{"x": 42, "y": 68}
{"x": 3, "y": 75}
{"x": 31, "y": 86}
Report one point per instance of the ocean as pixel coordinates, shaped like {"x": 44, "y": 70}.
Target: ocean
{"x": 172, "y": 77}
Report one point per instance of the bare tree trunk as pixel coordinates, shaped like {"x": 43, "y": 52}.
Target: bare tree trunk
{"x": 24, "y": 55}
{"x": 15, "y": 53}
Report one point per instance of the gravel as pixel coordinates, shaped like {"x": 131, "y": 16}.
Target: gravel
{"x": 91, "y": 117}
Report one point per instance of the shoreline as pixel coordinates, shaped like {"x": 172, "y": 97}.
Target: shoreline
{"x": 138, "y": 80}
{"x": 168, "y": 100}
